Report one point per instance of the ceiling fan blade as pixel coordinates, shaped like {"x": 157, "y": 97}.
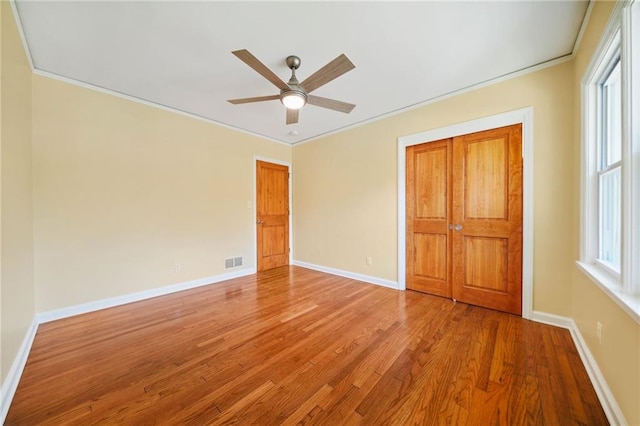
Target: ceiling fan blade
{"x": 261, "y": 68}
{"x": 330, "y": 103}
{"x": 292, "y": 115}
{"x": 331, "y": 71}
{"x": 254, "y": 99}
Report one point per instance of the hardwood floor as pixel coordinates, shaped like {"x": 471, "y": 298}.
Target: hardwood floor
{"x": 291, "y": 346}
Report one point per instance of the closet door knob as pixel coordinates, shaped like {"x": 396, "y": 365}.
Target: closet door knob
{"x": 458, "y": 227}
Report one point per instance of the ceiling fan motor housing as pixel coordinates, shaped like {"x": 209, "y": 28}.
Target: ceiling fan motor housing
{"x": 295, "y": 96}
{"x": 293, "y": 62}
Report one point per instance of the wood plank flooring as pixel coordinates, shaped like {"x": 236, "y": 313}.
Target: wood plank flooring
{"x": 295, "y": 346}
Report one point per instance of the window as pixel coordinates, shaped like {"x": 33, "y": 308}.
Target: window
{"x": 609, "y": 169}
{"x": 610, "y": 225}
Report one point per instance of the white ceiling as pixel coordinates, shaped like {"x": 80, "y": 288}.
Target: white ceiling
{"x": 178, "y": 53}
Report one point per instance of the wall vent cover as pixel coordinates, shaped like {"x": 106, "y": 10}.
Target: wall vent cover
{"x": 228, "y": 263}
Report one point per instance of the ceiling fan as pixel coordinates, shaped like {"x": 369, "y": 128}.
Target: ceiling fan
{"x": 294, "y": 95}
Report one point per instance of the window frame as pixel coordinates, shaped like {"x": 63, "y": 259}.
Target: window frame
{"x": 602, "y": 141}
{"x": 620, "y": 39}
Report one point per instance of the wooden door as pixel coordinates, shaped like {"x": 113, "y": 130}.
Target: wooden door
{"x": 429, "y": 214}
{"x": 487, "y": 218}
{"x": 272, "y": 215}
{"x": 464, "y": 218}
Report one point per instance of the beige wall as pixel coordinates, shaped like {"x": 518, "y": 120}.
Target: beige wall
{"x": 2, "y": 369}
{"x": 3, "y": 374}
{"x": 17, "y": 283}
{"x": 123, "y": 191}
{"x": 345, "y": 185}
{"x": 619, "y": 354}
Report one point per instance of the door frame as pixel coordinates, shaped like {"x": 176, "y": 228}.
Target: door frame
{"x": 522, "y": 116}
{"x": 254, "y": 205}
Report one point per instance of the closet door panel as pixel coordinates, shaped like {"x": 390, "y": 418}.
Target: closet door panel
{"x": 487, "y": 216}
{"x": 428, "y": 203}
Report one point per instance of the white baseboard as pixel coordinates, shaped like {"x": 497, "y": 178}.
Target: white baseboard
{"x": 10, "y": 383}
{"x": 354, "y": 276}
{"x": 136, "y": 297}
{"x": 553, "y": 319}
{"x": 607, "y": 400}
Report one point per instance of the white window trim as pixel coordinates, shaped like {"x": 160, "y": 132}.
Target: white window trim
{"x": 623, "y": 288}
{"x": 632, "y": 151}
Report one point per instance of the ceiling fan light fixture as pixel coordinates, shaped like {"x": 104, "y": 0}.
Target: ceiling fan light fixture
{"x": 293, "y": 99}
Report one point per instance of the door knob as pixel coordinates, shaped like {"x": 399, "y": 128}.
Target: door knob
{"x": 259, "y": 222}
{"x": 458, "y": 227}
{"x": 450, "y": 227}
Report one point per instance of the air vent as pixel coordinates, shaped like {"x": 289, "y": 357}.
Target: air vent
{"x": 232, "y": 262}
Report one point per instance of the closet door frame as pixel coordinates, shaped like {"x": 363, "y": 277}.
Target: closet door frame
{"x": 522, "y": 116}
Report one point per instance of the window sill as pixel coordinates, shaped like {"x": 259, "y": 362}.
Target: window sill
{"x": 630, "y": 304}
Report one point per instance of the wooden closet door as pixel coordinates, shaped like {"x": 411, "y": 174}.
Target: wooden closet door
{"x": 428, "y": 210}
{"x": 487, "y": 216}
